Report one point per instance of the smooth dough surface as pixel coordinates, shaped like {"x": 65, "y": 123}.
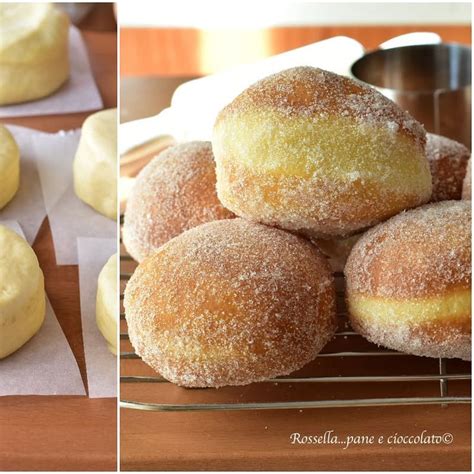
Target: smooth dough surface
{"x": 22, "y": 295}
{"x": 34, "y": 51}
{"x": 106, "y": 307}
{"x": 95, "y": 164}
{"x": 9, "y": 167}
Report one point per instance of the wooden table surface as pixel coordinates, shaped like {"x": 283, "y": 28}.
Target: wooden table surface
{"x": 260, "y": 440}
{"x": 191, "y": 51}
{"x": 64, "y": 432}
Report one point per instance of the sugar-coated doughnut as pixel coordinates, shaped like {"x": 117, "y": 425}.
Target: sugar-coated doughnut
{"x": 9, "y": 167}
{"x": 448, "y": 161}
{"x": 22, "y": 295}
{"x": 175, "y": 192}
{"x": 95, "y": 163}
{"x": 466, "y": 185}
{"x": 106, "y": 303}
{"x": 337, "y": 250}
{"x": 34, "y": 51}
{"x": 314, "y": 152}
{"x": 230, "y": 302}
{"x": 409, "y": 282}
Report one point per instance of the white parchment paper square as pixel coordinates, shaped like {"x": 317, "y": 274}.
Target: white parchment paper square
{"x": 27, "y": 206}
{"x": 45, "y": 365}
{"x": 101, "y": 364}
{"x": 78, "y": 94}
{"x": 69, "y": 217}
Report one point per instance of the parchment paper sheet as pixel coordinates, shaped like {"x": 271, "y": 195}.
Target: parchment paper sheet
{"x": 78, "y": 94}
{"x": 27, "y": 207}
{"x": 45, "y": 365}
{"x": 101, "y": 364}
{"x": 69, "y": 217}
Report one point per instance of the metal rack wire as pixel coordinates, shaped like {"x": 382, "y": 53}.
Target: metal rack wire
{"x": 442, "y": 377}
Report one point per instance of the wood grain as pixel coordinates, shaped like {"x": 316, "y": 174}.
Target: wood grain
{"x": 64, "y": 433}
{"x": 187, "y": 51}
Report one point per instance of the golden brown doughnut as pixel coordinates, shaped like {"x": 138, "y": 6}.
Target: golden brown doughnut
{"x": 409, "y": 282}
{"x": 230, "y": 302}
{"x": 311, "y": 151}
{"x": 175, "y": 192}
{"x": 448, "y": 161}
{"x": 466, "y": 185}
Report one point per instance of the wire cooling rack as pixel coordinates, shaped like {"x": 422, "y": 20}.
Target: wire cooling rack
{"x": 350, "y": 372}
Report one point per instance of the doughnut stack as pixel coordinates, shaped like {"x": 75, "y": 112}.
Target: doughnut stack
{"x": 235, "y": 238}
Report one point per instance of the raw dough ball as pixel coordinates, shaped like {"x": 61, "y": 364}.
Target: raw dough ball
{"x": 106, "y": 307}
{"x": 310, "y": 151}
{"x": 9, "y": 166}
{"x": 95, "y": 164}
{"x": 22, "y": 296}
{"x": 34, "y": 50}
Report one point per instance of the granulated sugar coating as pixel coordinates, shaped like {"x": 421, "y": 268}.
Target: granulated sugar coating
{"x": 175, "y": 192}
{"x": 229, "y": 303}
{"x": 448, "y": 161}
{"x": 409, "y": 281}
{"x": 466, "y": 186}
{"x": 310, "y": 151}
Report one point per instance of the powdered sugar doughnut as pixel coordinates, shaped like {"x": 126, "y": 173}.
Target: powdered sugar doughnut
{"x": 466, "y": 185}
{"x": 448, "y": 161}
{"x": 175, "y": 192}
{"x": 409, "y": 282}
{"x": 317, "y": 153}
{"x": 229, "y": 303}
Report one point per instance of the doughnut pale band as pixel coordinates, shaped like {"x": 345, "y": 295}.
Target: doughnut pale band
{"x": 22, "y": 295}
{"x": 9, "y": 167}
{"x": 409, "y": 281}
{"x": 422, "y": 326}
{"x": 313, "y": 152}
{"x": 34, "y": 51}
{"x": 95, "y": 163}
{"x": 106, "y": 305}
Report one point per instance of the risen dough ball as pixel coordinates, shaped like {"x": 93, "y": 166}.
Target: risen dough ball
{"x": 448, "y": 161}
{"x": 229, "y": 303}
{"x": 34, "y": 51}
{"x": 409, "y": 282}
{"x": 466, "y": 186}
{"x": 95, "y": 164}
{"x": 317, "y": 153}
{"x": 9, "y": 166}
{"x": 22, "y": 296}
{"x": 106, "y": 307}
{"x": 175, "y": 192}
